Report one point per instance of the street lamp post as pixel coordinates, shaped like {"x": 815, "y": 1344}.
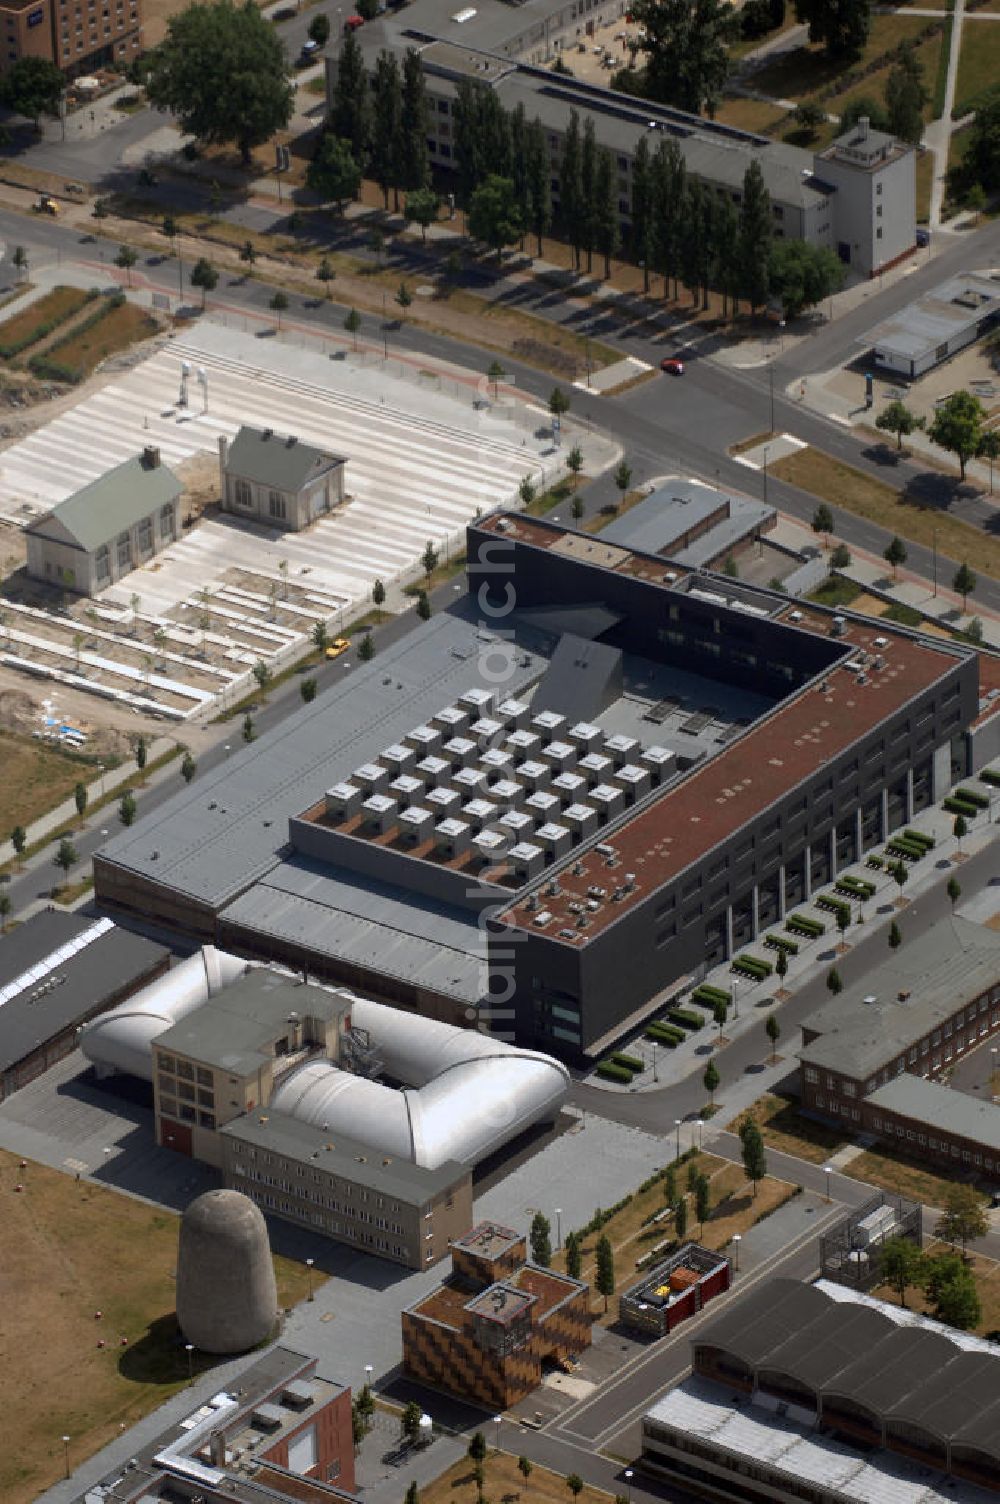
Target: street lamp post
{"x": 498, "y": 1421}
{"x": 677, "y": 1131}
{"x": 737, "y": 1240}
{"x": 828, "y": 1171}
{"x": 628, "y": 1484}
{"x": 935, "y": 560}
{"x": 655, "y": 1076}
{"x": 189, "y": 1349}
{"x": 66, "y": 1441}
{"x": 309, "y": 1267}
{"x": 558, "y": 1228}
{"x": 368, "y": 1376}
{"x": 770, "y": 382}
{"x": 765, "y": 475}
{"x": 993, "y": 1070}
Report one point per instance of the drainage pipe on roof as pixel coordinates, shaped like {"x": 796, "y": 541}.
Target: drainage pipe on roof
{"x": 122, "y": 1038}
{"x": 467, "y": 1094}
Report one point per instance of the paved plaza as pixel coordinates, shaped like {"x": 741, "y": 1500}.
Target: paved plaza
{"x": 425, "y": 452}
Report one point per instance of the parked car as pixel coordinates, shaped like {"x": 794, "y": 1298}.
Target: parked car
{"x": 672, "y": 366}
{"x": 338, "y": 645}
{"x": 309, "y": 51}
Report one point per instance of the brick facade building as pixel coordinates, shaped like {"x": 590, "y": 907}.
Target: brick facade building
{"x": 486, "y": 1332}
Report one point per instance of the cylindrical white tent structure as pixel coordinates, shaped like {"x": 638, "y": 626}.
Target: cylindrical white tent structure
{"x": 122, "y": 1039}
{"x": 465, "y": 1093}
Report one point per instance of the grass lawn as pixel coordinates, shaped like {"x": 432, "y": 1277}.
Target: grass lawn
{"x": 116, "y": 330}
{"x": 751, "y": 114}
{"x": 503, "y": 1481}
{"x": 927, "y": 55}
{"x": 804, "y": 71}
{"x": 52, "y": 308}
{"x": 784, "y": 1129}
{"x": 835, "y": 592}
{"x": 36, "y": 777}
{"x": 66, "y": 1251}
{"x": 925, "y": 181}
{"x": 734, "y": 1210}
{"x": 987, "y": 1276}
{"x": 978, "y": 63}
{"x": 843, "y": 486}
{"x": 895, "y": 1173}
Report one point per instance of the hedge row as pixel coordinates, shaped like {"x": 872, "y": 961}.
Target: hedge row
{"x": 630, "y": 1062}
{"x": 973, "y": 796}
{"x": 705, "y": 992}
{"x": 753, "y": 966}
{"x": 665, "y": 1034}
{"x": 609, "y": 1071}
{"x": 685, "y": 1019}
{"x": 990, "y": 776}
{"x": 802, "y": 924}
{"x": 782, "y": 942}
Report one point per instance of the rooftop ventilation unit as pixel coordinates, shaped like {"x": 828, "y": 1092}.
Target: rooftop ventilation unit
{"x": 839, "y": 626}
{"x": 881, "y": 642}
{"x": 795, "y": 616}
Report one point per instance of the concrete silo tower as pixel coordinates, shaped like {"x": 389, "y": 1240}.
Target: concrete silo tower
{"x": 227, "y": 1300}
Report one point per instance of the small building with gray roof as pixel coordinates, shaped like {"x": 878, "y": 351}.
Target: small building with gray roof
{"x": 277, "y": 480}
{"x": 108, "y": 528}
{"x": 936, "y": 325}
{"x": 691, "y": 523}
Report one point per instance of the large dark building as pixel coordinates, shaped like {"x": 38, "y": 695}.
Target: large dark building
{"x": 551, "y": 808}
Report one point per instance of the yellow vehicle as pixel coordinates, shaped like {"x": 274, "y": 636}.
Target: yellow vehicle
{"x": 46, "y": 205}
{"x": 338, "y": 645}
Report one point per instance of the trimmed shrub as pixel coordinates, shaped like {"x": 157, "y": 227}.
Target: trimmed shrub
{"x": 782, "y": 942}
{"x": 875, "y": 862}
{"x": 803, "y": 924}
{"x": 990, "y": 776}
{"x": 711, "y": 994}
{"x": 630, "y": 1062}
{"x": 920, "y": 838}
{"x": 973, "y": 796}
{"x": 685, "y": 1019}
{"x": 608, "y": 1071}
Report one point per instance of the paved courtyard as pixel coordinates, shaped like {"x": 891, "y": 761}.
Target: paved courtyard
{"x": 422, "y": 458}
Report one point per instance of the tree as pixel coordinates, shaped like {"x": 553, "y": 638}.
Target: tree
{"x": 33, "y": 86}
{"x": 5, "y": 908}
{"x": 494, "y": 215}
{"x": 576, "y": 508}
{"x": 307, "y": 689}
{"x": 80, "y": 799}
{"x": 126, "y": 258}
{"x": 333, "y": 174}
{"x": 319, "y": 29}
{"x": 772, "y": 1028}
{"x": 366, "y": 1404}
{"x": 20, "y": 260}
{"x": 571, "y": 200}
{"x": 126, "y": 809}
{"x": 959, "y": 830}
{"x": 558, "y": 402}
{"x": 479, "y": 1474}
{"x": 249, "y": 734}
{"x": 540, "y": 1240}
{"x": 526, "y": 491}
{"x": 958, "y": 426}
{"x": 900, "y": 1264}
{"x": 899, "y": 872}
{"x": 387, "y": 125}
{"x": 19, "y": 839}
{"x": 66, "y": 856}
{"x": 423, "y": 606}
{"x": 141, "y": 754}
{"x": 841, "y": 26}
{"x": 840, "y": 558}
{"x": 350, "y": 112}
{"x": 574, "y": 1483}
{"x": 752, "y": 1152}
{"x": 352, "y": 323}
{"x": 641, "y": 235}
{"x": 279, "y": 304}
{"x": 188, "y": 767}
{"x": 906, "y": 96}
{"x": 588, "y": 186}
{"x": 222, "y": 71}
{"x": 204, "y": 275}
{"x": 421, "y": 209}
{"x": 623, "y": 477}
{"x": 686, "y": 45}
{"x": 670, "y": 1185}
{"x": 864, "y": 106}
{"x": 378, "y": 594}
{"x": 605, "y": 1280}
{"x": 989, "y": 449}
{"x": 802, "y": 275}
{"x": 524, "y": 1467}
{"x": 833, "y": 981}
{"x": 410, "y": 1422}
{"x": 537, "y": 182}
{"x": 669, "y": 186}
{"x": 710, "y": 1080}
{"x": 681, "y": 1217}
{"x": 954, "y": 891}
{"x": 574, "y": 1255}
{"x": 325, "y": 274}
{"x": 170, "y": 228}
{"x": 895, "y": 554}
{"x": 414, "y": 158}
{"x": 898, "y": 419}
{"x": 412, "y": 1495}
{"x": 320, "y": 637}
{"x": 963, "y": 1217}
{"x": 843, "y": 920}
{"x": 822, "y": 521}
{"x": 964, "y": 584}
{"x": 702, "y": 1201}
{"x": 574, "y": 461}
{"x": 429, "y": 559}
{"x": 895, "y": 936}
{"x": 951, "y": 1291}
{"x": 720, "y": 1012}
{"x": 606, "y": 223}
{"x": 366, "y": 648}
{"x": 403, "y": 297}
{"x": 755, "y": 237}
{"x": 809, "y": 116}
{"x": 477, "y": 1447}
{"x": 495, "y": 374}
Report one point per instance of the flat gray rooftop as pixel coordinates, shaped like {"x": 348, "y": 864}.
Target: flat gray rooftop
{"x": 656, "y": 524}
{"x": 946, "y": 312}
{"x": 233, "y": 1029}
{"x": 938, "y": 1106}
{"x": 938, "y": 970}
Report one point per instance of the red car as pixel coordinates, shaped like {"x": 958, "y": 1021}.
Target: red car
{"x": 672, "y": 366}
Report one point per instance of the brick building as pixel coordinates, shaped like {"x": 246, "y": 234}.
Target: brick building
{"x": 930, "y": 1002}
{"x": 486, "y": 1332}
{"x": 79, "y": 36}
